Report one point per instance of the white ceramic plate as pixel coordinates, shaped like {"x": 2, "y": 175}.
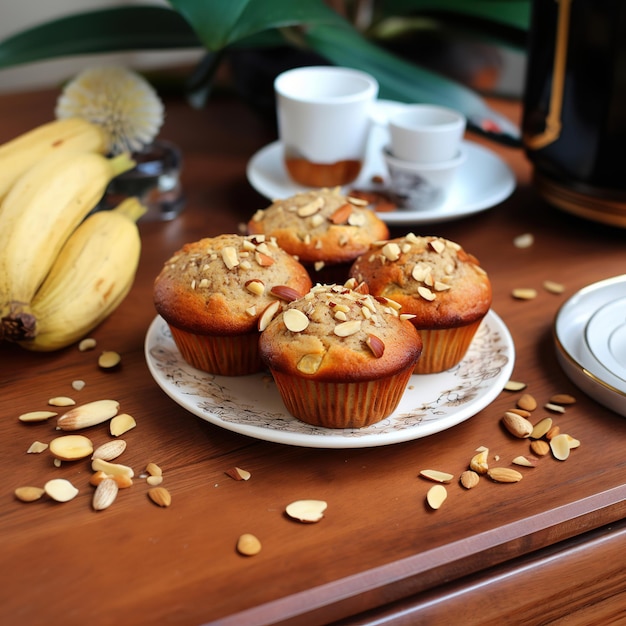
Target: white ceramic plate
{"x": 573, "y": 352}
{"x": 605, "y": 334}
{"x": 251, "y": 405}
{"x": 483, "y": 181}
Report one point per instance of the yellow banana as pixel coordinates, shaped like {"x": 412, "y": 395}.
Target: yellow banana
{"x": 90, "y": 277}
{"x": 37, "y": 216}
{"x": 58, "y": 136}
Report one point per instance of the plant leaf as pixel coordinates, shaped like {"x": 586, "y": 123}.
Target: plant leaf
{"x": 108, "y": 30}
{"x": 513, "y": 13}
{"x": 220, "y": 23}
{"x": 403, "y": 81}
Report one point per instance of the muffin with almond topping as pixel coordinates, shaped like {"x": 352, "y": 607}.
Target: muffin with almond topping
{"x": 321, "y": 227}
{"x": 436, "y": 281}
{"x": 216, "y": 294}
{"x": 340, "y": 358}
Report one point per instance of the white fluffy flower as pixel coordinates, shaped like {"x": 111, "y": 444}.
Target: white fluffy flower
{"x": 120, "y": 101}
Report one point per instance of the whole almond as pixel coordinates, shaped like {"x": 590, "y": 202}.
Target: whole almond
{"x": 341, "y": 215}
{"x": 160, "y": 496}
{"x": 527, "y": 402}
{"x": 469, "y": 479}
{"x": 517, "y": 425}
{"x": 248, "y": 545}
{"x": 553, "y": 432}
{"x": 109, "y": 450}
{"x": 540, "y": 447}
{"x": 504, "y": 475}
{"x": 284, "y": 292}
{"x": 153, "y": 469}
{"x": 104, "y": 495}
{"x": 563, "y": 398}
{"x": 89, "y": 414}
{"x": 376, "y": 345}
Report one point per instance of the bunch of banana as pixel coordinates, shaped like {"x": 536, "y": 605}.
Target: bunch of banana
{"x": 56, "y": 137}
{"x": 89, "y": 278}
{"x": 42, "y": 222}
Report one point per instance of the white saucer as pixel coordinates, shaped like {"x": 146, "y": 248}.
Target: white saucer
{"x": 605, "y": 334}
{"x": 251, "y": 405}
{"x": 573, "y": 352}
{"x": 483, "y": 181}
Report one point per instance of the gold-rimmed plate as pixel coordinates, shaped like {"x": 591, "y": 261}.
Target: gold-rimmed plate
{"x": 573, "y": 352}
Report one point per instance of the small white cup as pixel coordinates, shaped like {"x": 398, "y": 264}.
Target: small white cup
{"x": 324, "y": 122}
{"x": 425, "y": 133}
{"x": 422, "y": 186}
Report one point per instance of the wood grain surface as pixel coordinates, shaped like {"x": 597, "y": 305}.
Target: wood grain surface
{"x": 500, "y": 553}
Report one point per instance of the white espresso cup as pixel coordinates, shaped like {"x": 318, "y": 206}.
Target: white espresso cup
{"x": 425, "y": 133}
{"x": 324, "y": 122}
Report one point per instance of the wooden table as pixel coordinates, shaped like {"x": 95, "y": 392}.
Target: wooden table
{"x": 530, "y": 552}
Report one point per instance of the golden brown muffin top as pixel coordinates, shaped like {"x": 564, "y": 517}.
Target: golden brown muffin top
{"x": 335, "y": 333}
{"x": 221, "y": 285}
{"x": 320, "y": 226}
{"x": 433, "y": 278}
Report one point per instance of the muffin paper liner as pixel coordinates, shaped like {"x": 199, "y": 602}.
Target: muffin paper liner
{"x": 341, "y": 405}
{"x": 443, "y": 349}
{"x": 234, "y": 355}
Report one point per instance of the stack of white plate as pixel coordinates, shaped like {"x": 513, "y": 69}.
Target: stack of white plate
{"x": 590, "y": 336}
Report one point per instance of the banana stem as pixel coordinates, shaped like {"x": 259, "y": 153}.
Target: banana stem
{"x": 18, "y": 324}
{"x": 121, "y": 163}
{"x": 131, "y": 208}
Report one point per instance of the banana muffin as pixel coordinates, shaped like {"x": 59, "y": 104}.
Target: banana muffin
{"x": 320, "y": 227}
{"x": 213, "y": 294}
{"x": 439, "y": 283}
{"x": 340, "y": 357}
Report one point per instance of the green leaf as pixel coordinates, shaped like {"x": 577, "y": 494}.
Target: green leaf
{"x": 403, "y": 81}
{"x": 513, "y": 13}
{"x": 109, "y": 30}
{"x": 219, "y": 23}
